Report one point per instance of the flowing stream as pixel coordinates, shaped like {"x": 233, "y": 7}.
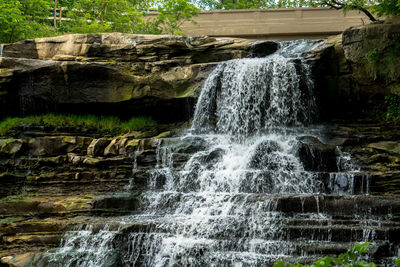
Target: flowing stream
{"x": 244, "y": 196}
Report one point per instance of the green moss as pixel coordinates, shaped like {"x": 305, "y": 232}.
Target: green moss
{"x": 11, "y": 220}
{"x": 163, "y": 135}
{"x": 187, "y": 92}
{"x": 14, "y": 198}
{"x": 100, "y": 123}
{"x": 79, "y": 202}
{"x": 4, "y": 71}
{"x": 133, "y": 143}
{"x": 6, "y": 141}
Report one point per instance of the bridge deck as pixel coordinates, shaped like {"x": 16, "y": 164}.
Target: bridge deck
{"x": 278, "y": 24}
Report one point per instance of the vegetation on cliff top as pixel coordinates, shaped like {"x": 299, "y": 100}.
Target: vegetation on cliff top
{"x": 111, "y": 124}
{"x": 42, "y": 18}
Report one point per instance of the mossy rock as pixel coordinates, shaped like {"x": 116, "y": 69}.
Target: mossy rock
{"x": 11, "y": 146}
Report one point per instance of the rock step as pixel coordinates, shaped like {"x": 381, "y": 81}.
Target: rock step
{"x": 45, "y": 239}
{"x": 340, "y": 183}
{"x": 259, "y": 260}
{"x": 21, "y": 234}
{"x": 264, "y": 251}
{"x": 31, "y": 206}
{"x": 364, "y": 206}
{"x": 336, "y": 233}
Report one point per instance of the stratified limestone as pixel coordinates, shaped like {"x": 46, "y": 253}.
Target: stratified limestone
{"x": 358, "y": 70}
{"x": 114, "y": 73}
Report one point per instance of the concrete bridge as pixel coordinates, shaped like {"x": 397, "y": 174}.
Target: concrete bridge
{"x": 277, "y": 24}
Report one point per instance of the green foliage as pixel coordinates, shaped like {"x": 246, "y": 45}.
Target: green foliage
{"x": 24, "y": 19}
{"x": 393, "y": 108}
{"x": 391, "y": 62}
{"x": 386, "y": 8}
{"x": 172, "y": 13}
{"x": 137, "y": 123}
{"x": 385, "y": 63}
{"x": 109, "y": 123}
{"x": 351, "y": 258}
{"x": 90, "y": 16}
{"x": 397, "y": 261}
{"x": 372, "y": 59}
{"x": 30, "y": 18}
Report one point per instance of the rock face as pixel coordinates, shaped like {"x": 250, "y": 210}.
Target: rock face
{"x": 368, "y": 48}
{"x": 355, "y": 72}
{"x": 51, "y": 181}
{"x": 317, "y": 156}
{"x": 120, "y": 74}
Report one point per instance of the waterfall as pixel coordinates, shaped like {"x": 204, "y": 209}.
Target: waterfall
{"x": 1, "y": 50}
{"x": 83, "y": 247}
{"x": 244, "y": 193}
{"x": 249, "y": 96}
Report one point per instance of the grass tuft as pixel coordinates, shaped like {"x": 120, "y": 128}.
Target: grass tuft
{"x": 100, "y": 123}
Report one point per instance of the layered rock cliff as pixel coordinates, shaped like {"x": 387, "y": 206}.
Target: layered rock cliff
{"x": 114, "y": 74}
{"x": 358, "y": 71}
{"x": 54, "y": 179}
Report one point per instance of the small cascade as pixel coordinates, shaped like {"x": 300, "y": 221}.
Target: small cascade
{"x": 82, "y": 247}
{"x": 157, "y": 176}
{"x": 134, "y": 156}
{"x": 349, "y": 179}
{"x": 1, "y": 50}
{"x": 245, "y": 195}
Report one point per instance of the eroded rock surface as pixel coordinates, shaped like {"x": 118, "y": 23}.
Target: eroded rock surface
{"x": 114, "y": 73}
{"x": 357, "y": 71}
{"x": 52, "y": 181}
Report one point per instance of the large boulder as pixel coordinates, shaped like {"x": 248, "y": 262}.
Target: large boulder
{"x": 317, "y": 156}
{"x": 10, "y": 147}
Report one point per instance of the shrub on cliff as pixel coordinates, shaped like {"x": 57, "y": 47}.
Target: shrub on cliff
{"x": 109, "y": 123}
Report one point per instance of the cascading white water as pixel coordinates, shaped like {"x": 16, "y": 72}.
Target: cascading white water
{"x": 221, "y": 207}
{"x": 82, "y": 247}
{"x": 244, "y": 97}
{"x": 245, "y": 114}
{"x": 1, "y": 50}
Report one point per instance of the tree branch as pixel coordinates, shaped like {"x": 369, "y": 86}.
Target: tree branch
{"x": 366, "y": 12}
{"x": 337, "y": 5}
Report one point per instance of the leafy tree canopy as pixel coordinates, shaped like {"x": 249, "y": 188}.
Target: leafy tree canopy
{"x": 22, "y": 19}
